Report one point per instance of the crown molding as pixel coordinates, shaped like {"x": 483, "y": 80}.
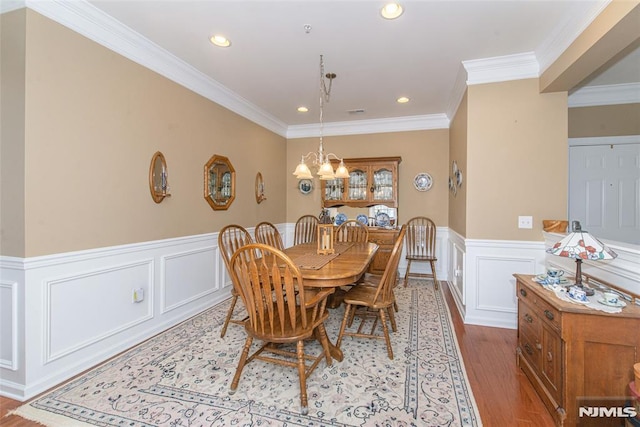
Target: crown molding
{"x": 566, "y": 33}
{"x": 501, "y": 68}
{"x": 589, "y": 96}
{"x": 459, "y": 88}
{"x": 91, "y": 22}
{"x": 358, "y": 127}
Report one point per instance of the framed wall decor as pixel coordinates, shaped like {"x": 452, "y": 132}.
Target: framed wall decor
{"x": 260, "y": 197}
{"x": 219, "y": 182}
{"x": 158, "y": 178}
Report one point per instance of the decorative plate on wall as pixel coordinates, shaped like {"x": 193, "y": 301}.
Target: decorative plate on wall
{"x": 423, "y": 182}
{"x": 305, "y": 186}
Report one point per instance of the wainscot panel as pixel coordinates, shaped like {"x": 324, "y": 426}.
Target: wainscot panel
{"x": 457, "y": 259}
{"x": 490, "y": 285}
{"x": 8, "y": 324}
{"x": 69, "y": 312}
{"x": 75, "y": 317}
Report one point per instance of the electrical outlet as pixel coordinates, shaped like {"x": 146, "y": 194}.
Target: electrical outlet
{"x": 525, "y": 222}
{"x": 138, "y": 295}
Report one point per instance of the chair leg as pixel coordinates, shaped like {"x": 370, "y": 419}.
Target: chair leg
{"x": 385, "y": 329}
{"x": 345, "y": 319}
{"x": 234, "y": 300}
{"x": 435, "y": 278}
{"x": 406, "y": 274}
{"x": 302, "y": 368}
{"x": 392, "y": 319}
{"x": 241, "y": 363}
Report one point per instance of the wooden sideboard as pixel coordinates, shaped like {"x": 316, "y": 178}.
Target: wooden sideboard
{"x": 385, "y": 239}
{"x": 574, "y": 355}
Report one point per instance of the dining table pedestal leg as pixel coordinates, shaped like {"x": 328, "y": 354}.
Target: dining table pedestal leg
{"x": 334, "y": 351}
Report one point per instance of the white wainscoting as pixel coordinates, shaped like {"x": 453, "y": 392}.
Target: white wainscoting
{"x": 456, "y": 249}
{"x": 64, "y": 313}
{"x": 490, "y": 288}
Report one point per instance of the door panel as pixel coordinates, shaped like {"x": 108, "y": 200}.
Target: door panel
{"x": 604, "y": 190}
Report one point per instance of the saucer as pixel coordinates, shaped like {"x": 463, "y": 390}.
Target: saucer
{"x": 577, "y": 300}
{"x": 618, "y": 304}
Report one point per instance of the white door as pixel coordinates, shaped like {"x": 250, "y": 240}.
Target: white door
{"x": 604, "y": 190}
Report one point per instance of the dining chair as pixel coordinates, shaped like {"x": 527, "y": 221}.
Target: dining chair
{"x": 421, "y": 246}
{"x": 306, "y": 230}
{"x": 374, "y": 301}
{"x": 352, "y": 231}
{"x": 231, "y": 238}
{"x": 280, "y": 312}
{"x": 268, "y": 234}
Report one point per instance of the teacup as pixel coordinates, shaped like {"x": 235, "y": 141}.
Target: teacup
{"x": 577, "y": 293}
{"x": 552, "y": 280}
{"x": 555, "y": 272}
{"x": 610, "y": 298}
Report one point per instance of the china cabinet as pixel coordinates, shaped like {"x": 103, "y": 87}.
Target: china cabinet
{"x": 372, "y": 181}
{"x": 575, "y": 356}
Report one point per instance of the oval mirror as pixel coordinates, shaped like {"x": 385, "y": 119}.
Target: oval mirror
{"x": 219, "y": 182}
{"x": 158, "y": 178}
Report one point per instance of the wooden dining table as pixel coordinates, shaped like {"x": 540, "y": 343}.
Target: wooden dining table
{"x": 343, "y": 268}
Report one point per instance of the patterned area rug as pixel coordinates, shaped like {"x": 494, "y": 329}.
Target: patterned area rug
{"x": 182, "y": 376}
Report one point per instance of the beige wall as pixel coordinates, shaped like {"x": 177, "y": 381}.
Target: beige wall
{"x": 94, "y": 120}
{"x": 12, "y": 118}
{"x": 421, "y": 151}
{"x": 516, "y": 159}
{"x": 605, "y": 120}
{"x": 458, "y": 153}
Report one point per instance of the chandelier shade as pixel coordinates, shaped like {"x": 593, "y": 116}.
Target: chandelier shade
{"x": 319, "y": 159}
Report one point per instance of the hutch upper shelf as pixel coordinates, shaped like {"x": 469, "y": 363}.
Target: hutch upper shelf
{"x": 372, "y": 181}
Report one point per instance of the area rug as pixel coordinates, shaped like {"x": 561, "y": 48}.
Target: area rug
{"x": 182, "y": 376}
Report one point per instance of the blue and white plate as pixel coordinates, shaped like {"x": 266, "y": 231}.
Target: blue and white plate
{"x": 340, "y": 218}
{"x": 382, "y": 219}
{"x": 362, "y": 219}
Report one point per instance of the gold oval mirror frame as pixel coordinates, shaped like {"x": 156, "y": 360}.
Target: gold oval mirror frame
{"x": 158, "y": 178}
{"x": 219, "y": 183}
{"x": 260, "y": 197}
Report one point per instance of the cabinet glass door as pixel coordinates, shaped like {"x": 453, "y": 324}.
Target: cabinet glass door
{"x": 333, "y": 189}
{"x": 357, "y": 185}
{"x": 383, "y": 184}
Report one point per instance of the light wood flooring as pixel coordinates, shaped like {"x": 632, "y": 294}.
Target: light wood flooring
{"x": 503, "y": 394}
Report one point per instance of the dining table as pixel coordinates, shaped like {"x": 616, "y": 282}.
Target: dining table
{"x": 344, "y": 267}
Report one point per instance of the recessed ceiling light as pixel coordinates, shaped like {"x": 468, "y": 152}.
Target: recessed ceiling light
{"x": 303, "y": 109}
{"x": 391, "y": 11}
{"x": 221, "y": 41}
{"x": 402, "y": 100}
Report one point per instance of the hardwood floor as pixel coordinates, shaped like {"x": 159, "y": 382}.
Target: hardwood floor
{"x": 503, "y": 394}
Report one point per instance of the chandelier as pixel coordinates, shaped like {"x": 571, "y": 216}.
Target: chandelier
{"x": 321, "y": 160}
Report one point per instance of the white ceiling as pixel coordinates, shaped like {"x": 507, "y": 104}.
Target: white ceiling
{"x": 272, "y": 66}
